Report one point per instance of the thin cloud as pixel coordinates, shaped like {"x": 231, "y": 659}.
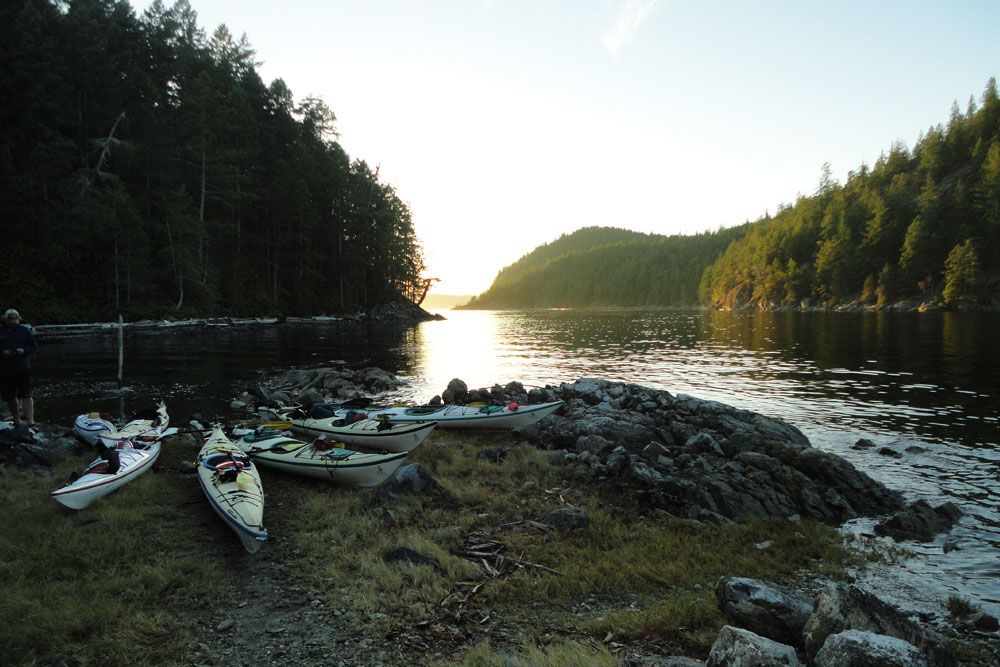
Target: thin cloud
{"x": 631, "y": 14}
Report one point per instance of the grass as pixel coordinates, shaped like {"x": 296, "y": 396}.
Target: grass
{"x": 559, "y": 654}
{"x": 959, "y": 607}
{"x": 118, "y": 582}
{"x": 110, "y": 584}
{"x": 652, "y": 577}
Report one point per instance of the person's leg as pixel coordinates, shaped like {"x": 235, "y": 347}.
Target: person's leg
{"x": 24, "y": 392}
{"x": 28, "y": 403}
{"x": 8, "y": 393}
{"x": 15, "y": 413}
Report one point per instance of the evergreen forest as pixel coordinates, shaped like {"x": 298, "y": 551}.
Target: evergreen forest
{"x": 147, "y": 170}
{"x": 920, "y": 226}
{"x": 602, "y": 266}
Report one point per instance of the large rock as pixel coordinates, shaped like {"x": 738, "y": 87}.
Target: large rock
{"x": 456, "y": 393}
{"x": 567, "y": 518}
{"x": 856, "y": 648}
{"x": 408, "y": 480}
{"x": 739, "y": 647}
{"x": 766, "y": 609}
{"x": 377, "y": 380}
{"x": 863, "y": 495}
{"x": 847, "y": 607}
{"x": 919, "y": 521}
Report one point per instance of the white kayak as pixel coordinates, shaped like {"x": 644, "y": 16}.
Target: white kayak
{"x": 462, "y": 416}
{"x": 320, "y": 459}
{"x": 94, "y": 428}
{"x": 380, "y": 434}
{"x": 119, "y": 465}
{"x": 90, "y": 426}
{"x": 232, "y": 485}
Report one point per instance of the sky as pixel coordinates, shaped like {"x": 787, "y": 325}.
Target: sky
{"x": 504, "y": 124}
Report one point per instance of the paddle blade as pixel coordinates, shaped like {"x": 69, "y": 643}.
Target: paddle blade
{"x": 277, "y": 425}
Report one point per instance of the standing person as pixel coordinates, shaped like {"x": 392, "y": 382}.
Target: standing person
{"x": 17, "y": 344}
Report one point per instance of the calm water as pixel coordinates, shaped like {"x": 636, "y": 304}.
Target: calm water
{"x": 901, "y": 379}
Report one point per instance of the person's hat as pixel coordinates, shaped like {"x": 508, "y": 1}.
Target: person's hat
{"x": 12, "y": 315}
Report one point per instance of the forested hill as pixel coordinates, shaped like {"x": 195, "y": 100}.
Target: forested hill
{"x": 920, "y": 225}
{"x": 579, "y": 241}
{"x": 146, "y": 169}
{"x": 917, "y": 227}
{"x": 601, "y": 266}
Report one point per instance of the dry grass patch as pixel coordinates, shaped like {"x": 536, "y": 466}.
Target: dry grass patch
{"x": 109, "y": 584}
{"x": 649, "y": 578}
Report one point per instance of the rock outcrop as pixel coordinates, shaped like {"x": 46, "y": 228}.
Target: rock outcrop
{"x": 847, "y": 607}
{"x": 689, "y": 456}
{"x": 771, "y": 611}
{"x": 920, "y": 521}
{"x": 856, "y": 648}
{"x": 735, "y": 646}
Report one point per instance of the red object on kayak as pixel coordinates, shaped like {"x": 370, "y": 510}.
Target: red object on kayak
{"x": 512, "y": 406}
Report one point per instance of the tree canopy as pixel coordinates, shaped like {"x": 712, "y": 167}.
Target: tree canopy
{"x": 917, "y": 224}
{"x": 146, "y": 169}
{"x": 601, "y": 266}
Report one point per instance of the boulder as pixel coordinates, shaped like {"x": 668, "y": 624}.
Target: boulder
{"x": 567, "y": 518}
{"x": 704, "y": 444}
{"x": 409, "y": 479}
{"x": 856, "y": 648}
{"x": 514, "y": 391}
{"x": 457, "y": 392}
{"x": 982, "y": 621}
{"x": 766, "y": 609}
{"x": 594, "y": 444}
{"x": 734, "y": 646}
{"x": 847, "y": 607}
{"x": 919, "y": 521}
{"x": 653, "y": 451}
{"x": 311, "y": 397}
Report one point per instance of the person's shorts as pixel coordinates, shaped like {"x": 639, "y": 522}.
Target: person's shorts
{"x": 15, "y": 383}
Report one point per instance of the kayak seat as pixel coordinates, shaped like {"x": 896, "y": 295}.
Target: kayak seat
{"x": 226, "y": 462}
{"x": 423, "y": 410}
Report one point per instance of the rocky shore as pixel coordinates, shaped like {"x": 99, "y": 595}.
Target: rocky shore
{"x": 712, "y": 463}
{"x": 702, "y": 461}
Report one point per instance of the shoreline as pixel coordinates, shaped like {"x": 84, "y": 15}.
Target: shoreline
{"x": 391, "y": 313}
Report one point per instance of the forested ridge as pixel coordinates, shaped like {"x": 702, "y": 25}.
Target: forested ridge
{"x": 920, "y": 226}
{"x": 602, "y": 266}
{"x": 146, "y": 169}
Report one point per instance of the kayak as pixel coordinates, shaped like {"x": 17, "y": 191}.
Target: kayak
{"x": 117, "y": 466}
{"x": 92, "y": 425}
{"x": 320, "y": 459}
{"x": 232, "y": 485}
{"x": 463, "y": 416}
{"x": 94, "y": 428}
{"x": 380, "y": 434}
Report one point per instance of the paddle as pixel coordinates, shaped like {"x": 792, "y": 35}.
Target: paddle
{"x": 141, "y": 437}
{"x": 276, "y": 425}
